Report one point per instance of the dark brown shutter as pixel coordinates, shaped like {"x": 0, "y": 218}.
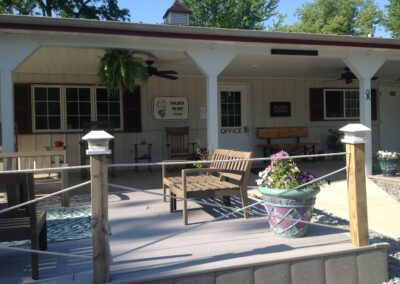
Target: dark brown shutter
{"x": 132, "y": 111}
{"x": 316, "y": 104}
{"x": 374, "y": 105}
{"x": 22, "y": 108}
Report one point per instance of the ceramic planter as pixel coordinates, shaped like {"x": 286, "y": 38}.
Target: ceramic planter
{"x": 389, "y": 167}
{"x": 295, "y": 204}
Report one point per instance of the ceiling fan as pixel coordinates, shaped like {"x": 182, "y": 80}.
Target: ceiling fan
{"x": 349, "y": 76}
{"x": 153, "y": 71}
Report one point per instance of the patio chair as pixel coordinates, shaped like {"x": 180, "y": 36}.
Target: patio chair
{"x": 24, "y": 223}
{"x": 179, "y": 147}
{"x": 96, "y": 125}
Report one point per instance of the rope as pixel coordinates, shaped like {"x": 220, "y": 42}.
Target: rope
{"x": 166, "y": 163}
{"x": 46, "y": 252}
{"x": 43, "y": 197}
{"x": 45, "y": 170}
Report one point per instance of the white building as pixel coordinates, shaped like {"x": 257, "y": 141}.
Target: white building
{"x": 48, "y": 84}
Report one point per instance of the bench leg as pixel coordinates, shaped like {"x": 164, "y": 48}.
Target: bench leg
{"x": 164, "y": 192}
{"x": 185, "y": 213}
{"x": 35, "y": 258}
{"x": 226, "y": 200}
{"x": 43, "y": 237}
{"x": 245, "y": 202}
{"x": 171, "y": 203}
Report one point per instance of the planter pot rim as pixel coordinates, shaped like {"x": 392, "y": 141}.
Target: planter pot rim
{"x": 300, "y": 194}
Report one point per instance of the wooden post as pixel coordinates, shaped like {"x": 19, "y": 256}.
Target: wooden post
{"x": 356, "y": 183}
{"x": 98, "y": 142}
{"x": 357, "y": 194}
{"x": 99, "y": 189}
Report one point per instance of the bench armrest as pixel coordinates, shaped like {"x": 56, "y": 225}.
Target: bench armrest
{"x": 164, "y": 166}
{"x": 185, "y": 172}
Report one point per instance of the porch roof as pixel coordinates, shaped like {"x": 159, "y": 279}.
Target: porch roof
{"x": 13, "y": 23}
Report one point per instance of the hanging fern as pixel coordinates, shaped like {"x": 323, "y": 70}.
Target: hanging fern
{"x": 120, "y": 70}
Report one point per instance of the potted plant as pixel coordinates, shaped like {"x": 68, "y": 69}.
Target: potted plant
{"x": 277, "y": 185}
{"x": 388, "y": 162}
{"x": 120, "y": 70}
{"x": 333, "y": 141}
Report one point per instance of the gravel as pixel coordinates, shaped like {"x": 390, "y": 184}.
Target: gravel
{"x": 390, "y": 187}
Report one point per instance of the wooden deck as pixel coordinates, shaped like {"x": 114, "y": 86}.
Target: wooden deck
{"x": 148, "y": 244}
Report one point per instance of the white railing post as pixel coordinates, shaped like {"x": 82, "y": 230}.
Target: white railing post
{"x": 354, "y": 138}
{"x": 98, "y": 142}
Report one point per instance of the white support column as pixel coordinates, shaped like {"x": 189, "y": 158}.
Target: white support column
{"x": 212, "y": 62}
{"x": 364, "y": 67}
{"x": 12, "y": 52}
{"x": 7, "y": 107}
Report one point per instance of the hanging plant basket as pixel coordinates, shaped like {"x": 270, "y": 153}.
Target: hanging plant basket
{"x": 120, "y": 70}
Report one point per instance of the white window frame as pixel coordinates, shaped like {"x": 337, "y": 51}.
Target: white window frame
{"x": 33, "y": 109}
{"x": 94, "y": 105}
{"x": 63, "y": 107}
{"x": 344, "y": 91}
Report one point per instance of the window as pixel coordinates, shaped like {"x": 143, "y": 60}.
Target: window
{"x": 230, "y": 109}
{"x": 78, "y": 106}
{"x": 108, "y": 107}
{"x": 47, "y": 108}
{"x": 341, "y": 104}
{"x": 67, "y": 108}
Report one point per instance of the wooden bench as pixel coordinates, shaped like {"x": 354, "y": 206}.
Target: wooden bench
{"x": 293, "y": 148}
{"x": 51, "y": 180}
{"x": 25, "y": 223}
{"x": 220, "y": 179}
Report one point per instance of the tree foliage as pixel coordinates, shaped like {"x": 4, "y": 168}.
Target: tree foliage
{"x": 346, "y": 17}
{"x": 392, "y": 20}
{"x": 89, "y": 9}
{"x": 237, "y": 14}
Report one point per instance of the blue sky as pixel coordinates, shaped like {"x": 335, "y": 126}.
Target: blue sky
{"x": 151, "y": 11}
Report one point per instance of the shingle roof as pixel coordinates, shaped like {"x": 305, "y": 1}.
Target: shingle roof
{"x": 177, "y": 7}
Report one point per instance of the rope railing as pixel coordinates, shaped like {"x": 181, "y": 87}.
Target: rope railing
{"x": 201, "y": 162}
{"x": 44, "y": 197}
{"x": 45, "y": 170}
{"x": 46, "y": 252}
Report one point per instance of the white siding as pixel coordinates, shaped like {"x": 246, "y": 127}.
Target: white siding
{"x": 261, "y": 93}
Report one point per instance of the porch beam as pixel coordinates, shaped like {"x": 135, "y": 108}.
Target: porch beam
{"x": 12, "y": 53}
{"x": 7, "y": 110}
{"x": 212, "y": 62}
{"x": 364, "y": 66}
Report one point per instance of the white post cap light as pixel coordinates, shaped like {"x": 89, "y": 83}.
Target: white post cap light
{"x": 354, "y": 133}
{"x": 98, "y": 141}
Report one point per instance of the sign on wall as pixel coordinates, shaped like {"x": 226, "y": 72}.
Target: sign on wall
{"x": 280, "y": 109}
{"x": 170, "y": 108}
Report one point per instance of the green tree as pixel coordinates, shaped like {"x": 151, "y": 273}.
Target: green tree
{"x": 237, "y": 14}
{"x": 345, "y": 17}
{"x": 392, "y": 19}
{"x": 89, "y": 9}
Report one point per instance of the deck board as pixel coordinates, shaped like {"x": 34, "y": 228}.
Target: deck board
{"x": 147, "y": 243}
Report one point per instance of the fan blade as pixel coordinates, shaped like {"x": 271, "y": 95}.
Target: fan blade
{"x": 168, "y": 72}
{"x": 162, "y": 75}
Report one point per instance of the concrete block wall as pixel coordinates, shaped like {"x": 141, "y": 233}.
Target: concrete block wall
{"x": 366, "y": 265}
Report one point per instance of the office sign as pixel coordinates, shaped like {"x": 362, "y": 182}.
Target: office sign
{"x": 170, "y": 108}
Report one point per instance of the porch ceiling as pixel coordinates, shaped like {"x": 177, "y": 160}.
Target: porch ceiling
{"x": 65, "y": 60}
